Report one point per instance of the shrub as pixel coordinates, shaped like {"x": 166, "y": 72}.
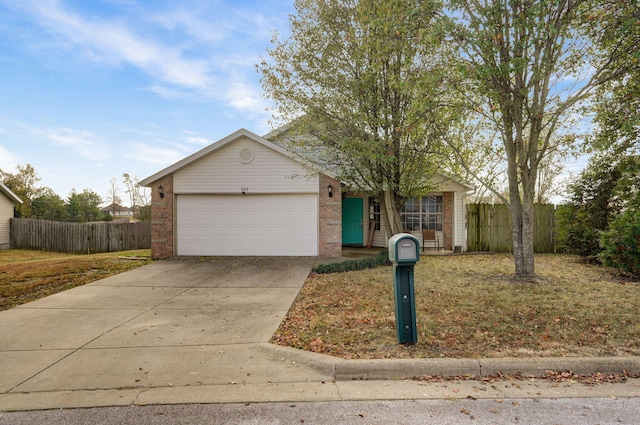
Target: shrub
{"x": 577, "y": 234}
{"x": 621, "y": 243}
{"x": 381, "y": 259}
{"x": 605, "y": 190}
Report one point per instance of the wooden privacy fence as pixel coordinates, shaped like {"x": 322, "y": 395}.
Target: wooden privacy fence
{"x": 79, "y": 238}
{"x": 489, "y": 228}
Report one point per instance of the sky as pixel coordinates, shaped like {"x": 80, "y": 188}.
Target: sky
{"x": 90, "y": 90}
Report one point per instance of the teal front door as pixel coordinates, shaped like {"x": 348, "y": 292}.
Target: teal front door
{"x": 352, "y": 221}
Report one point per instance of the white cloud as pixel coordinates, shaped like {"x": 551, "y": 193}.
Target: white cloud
{"x": 80, "y": 142}
{"x": 8, "y": 160}
{"x": 115, "y": 42}
{"x": 153, "y": 154}
{"x": 190, "y": 21}
{"x": 198, "y": 140}
{"x": 190, "y": 49}
{"x": 245, "y": 97}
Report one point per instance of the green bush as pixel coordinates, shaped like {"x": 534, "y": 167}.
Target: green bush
{"x": 577, "y": 232}
{"x": 381, "y": 259}
{"x": 598, "y": 212}
{"x": 621, "y": 243}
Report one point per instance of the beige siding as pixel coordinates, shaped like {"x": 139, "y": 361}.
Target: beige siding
{"x": 6, "y": 213}
{"x": 444, "y": 184}
{"x": 459, "y": 221}
{"x": 379, "y": 238}
{"x": 224, "y": 172}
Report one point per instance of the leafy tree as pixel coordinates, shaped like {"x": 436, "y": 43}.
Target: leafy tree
{"x": 364, "y": 84}
{"x": 615, "y": 168}
{"x": 49, "y": 206}
{"x": 83, "y": 207}
{"x": 617, "y": 104}
{"x": 24, "y": 184}
{"x": 528, "y": 66}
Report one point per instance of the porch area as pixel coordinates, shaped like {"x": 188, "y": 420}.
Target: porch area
{"x": 357, "y": 253}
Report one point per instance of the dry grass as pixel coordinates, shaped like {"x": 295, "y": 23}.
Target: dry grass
{"x": 28, "y": 275}
{"x": 469, "y": 306}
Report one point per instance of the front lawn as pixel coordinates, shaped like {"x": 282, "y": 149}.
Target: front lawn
{"x": 27, "y": 275}
{"x": 469, "y": 306}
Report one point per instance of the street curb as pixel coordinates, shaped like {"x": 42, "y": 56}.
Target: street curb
{"x": 348, "y": 370}
{"x": 577, "y": 365}
{"x": 399, "y": 369}
{"x": 404, "y": 368}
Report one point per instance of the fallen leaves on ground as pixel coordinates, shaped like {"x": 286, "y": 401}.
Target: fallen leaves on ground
{"x": 549, "y": 376}
{"x": 29, "y": 275}
{"x": 469, "y": 306}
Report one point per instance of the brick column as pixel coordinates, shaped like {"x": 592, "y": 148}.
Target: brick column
{"x": 447, "y": 225}
{"x": 329, "y": 218}
{"x": 162, "y": 219}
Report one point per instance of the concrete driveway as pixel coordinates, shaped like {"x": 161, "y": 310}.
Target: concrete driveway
{"x": 197, "y": 331}
{"x": 176, "y": 324}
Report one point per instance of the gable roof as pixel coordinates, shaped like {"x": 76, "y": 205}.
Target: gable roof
{"x": 281, "y": 137}
{"x": 441, "y": 177}
{"x": 216, "y": 146}
{"x": 9, "y": 194}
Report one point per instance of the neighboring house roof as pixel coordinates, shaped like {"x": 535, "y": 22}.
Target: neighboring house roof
{"x": 12, "y": 196}
{"x": 115, "y": 207}
{"x": 216, "y": 146}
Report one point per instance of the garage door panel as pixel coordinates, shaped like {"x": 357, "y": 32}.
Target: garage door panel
{"x": 247, "y": 225}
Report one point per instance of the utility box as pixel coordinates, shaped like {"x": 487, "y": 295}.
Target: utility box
{"x": 404, "y": 253}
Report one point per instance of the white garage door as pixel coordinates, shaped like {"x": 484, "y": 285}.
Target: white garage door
{"x": 277, "y": 225}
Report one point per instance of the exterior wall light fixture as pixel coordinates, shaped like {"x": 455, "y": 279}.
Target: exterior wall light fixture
{"x": 330, "y": 191}
{"x": 161, "y": 191}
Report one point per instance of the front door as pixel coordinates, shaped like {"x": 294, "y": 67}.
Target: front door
{"x": 352, "y": 221}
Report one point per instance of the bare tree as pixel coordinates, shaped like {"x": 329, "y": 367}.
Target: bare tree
{"x": 114, "y": 196}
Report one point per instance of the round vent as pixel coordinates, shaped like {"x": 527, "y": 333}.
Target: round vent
{"x": 245, "y": 155}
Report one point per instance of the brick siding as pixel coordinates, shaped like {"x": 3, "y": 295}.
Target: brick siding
{"x": 330, "y": 218}
{"x": 447, "y": 225}
{"x": 162, "y": 219}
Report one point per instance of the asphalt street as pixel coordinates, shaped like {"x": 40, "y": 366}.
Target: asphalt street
{"x": 602, "y": 411}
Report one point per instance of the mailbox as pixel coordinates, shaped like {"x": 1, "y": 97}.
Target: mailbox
{"x": 404, "y": 253}
{"x": 404, "y": 249}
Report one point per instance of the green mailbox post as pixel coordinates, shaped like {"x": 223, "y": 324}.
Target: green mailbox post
{"x": 404, "y": 253}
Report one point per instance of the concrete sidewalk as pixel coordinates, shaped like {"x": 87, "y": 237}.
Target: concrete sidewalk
{"x": 197, "y": 331}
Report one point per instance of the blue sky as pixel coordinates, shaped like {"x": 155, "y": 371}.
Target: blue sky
{"x": 90, "y": 90}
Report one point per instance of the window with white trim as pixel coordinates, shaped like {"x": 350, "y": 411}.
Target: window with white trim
{"x": 374, "y": 211}
{"x": 423, "y": 213}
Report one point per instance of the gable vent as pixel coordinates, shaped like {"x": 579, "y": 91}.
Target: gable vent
{"x": 245, "y": 155}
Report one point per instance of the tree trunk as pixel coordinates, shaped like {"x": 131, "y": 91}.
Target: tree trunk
{"x": 523, "y": 222}
{"x": 390, "y": 214}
